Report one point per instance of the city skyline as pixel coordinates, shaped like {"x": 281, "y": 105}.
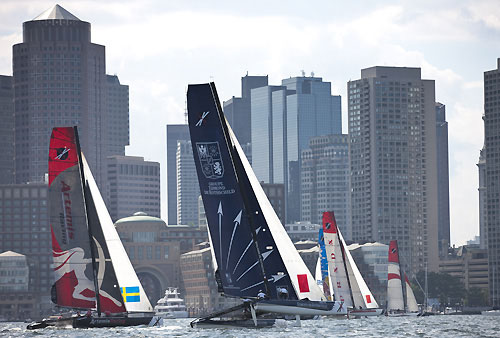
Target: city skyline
{"x": 335, "y": 43}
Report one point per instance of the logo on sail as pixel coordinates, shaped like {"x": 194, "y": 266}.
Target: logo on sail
{"x": 202, "y": 118}
{"x": 210, "y": 159}
{"x": 62, "y": 153}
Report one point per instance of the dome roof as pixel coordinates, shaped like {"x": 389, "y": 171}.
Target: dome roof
{"x": 140, "y": 217}
{"x": 56, "y": 12}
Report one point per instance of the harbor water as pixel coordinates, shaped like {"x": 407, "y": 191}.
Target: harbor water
{"x": 433, "y": 326}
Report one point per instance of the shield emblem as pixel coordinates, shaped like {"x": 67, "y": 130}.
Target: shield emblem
{"x": 210, "y": 159}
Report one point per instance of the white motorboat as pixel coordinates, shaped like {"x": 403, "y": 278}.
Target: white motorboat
{"x": 171, "y": 306}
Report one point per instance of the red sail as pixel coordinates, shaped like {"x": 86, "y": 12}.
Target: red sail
{"x": 74, "y": 285}
{"x": 74, "y": 282}
{"x": 393, "y": 252}
{"x": 329, "y": 223}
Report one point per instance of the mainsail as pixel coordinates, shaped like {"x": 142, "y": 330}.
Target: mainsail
{"x": 252, "y": 249}
{"x": 336, "y": 261}
{"x": 395, "y": 300}
{"x": 91, "y": 267}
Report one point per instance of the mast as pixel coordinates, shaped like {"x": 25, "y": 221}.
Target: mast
{"x": 237, "y": 168}
{"x": 426, "y": 289}
{"x": 403, "y": 281}
{"x": 91, "y": 241}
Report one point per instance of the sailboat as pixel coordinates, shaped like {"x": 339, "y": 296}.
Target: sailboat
{"x": 322, "y": 271}
{"x": 348, "y": 284}
{"x": 400, "y": 299}
{"x": 92, "y": 271}
{"x": 252, "y": 251}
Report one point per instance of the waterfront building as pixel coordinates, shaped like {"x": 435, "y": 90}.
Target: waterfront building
{"x": 393, "y": 163}
{"x": 175, "y": 133}
{"x": 469, "y": 263}
{"x": 325, "y": 181}
{"x": 134, "y": 185}
{"x": 276, "y": 195}
{"x": 25, "y": 230}
{"x": 154, "y": 249}
{"x": 284, "y": 118}
{"x": 302, "y": 231}
{"x": 443, "y": 179}
{"x": 6, "y": 130}
{"x": 492, "y": 153}
{"x": 188, "y": 189}
{"x": 59, "y": 79}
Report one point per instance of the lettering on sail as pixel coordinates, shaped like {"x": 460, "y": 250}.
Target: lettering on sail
{"x": 65, "y": 217}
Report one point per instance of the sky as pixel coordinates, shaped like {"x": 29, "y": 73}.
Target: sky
{"x": 158, "y": 47}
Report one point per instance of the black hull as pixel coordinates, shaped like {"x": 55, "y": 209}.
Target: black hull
{"x": 232, "y": 323}
{"x": 91, "y": 322}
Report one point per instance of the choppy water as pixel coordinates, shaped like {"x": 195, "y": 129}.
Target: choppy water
{"x": 435, "y": 326}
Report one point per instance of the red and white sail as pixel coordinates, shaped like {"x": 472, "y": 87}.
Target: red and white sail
{"x": 335, "y": 258}
{"x": 395, "y": 299}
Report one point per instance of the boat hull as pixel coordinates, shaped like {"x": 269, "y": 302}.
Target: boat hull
{"x": 366, "y": 312}
{"x": 91, "y": 322}
{"x": 232, "y": 323}
{"x": 302, "y": 307}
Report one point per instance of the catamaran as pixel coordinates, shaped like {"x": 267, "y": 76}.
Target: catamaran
{"x": 92, "y": 271}
{"x": 253, "y": 254}
{"x": 346, "y": 280}
{"x": 400, "y": 299}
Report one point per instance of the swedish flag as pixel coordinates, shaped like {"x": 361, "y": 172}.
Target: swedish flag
{"x": 131, "y": 294}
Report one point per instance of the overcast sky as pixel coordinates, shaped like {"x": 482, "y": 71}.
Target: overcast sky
{"x": 158, "y": 47}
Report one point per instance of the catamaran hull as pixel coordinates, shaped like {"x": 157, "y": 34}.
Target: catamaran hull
{"x": 232, "y": 323}
{"x": 366, "y": 312}
{"x": 303, "y": 308}
{"x": 91, "y": 322}
{"x": 404, "y": 314}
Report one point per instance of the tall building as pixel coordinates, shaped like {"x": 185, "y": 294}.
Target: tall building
{"x": 134, "y": 186}
{"x": 175, "y": 132}
{"x": 275, "y": 193}
{"x": 492, "y": 153}
{"x": 59, "y": 79}
{"x": 325, "y": 181}
{"x": 188, "y": 189}
{"x": 284, "y": 118}
{"x": 393, "y": 155}
{"x": 6, "y": 130}
{"x": 238, "y": 109}
{"x": 443, "y": 179}
{"x": 481, "y": 166}
{"x": 118, "y": 116}
{"x": 24, "y": 229}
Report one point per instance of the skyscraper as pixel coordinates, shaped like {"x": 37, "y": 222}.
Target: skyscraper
{"x": 188, "y": 189}
{"x": 393, "y": 154}
{"x": 175, "y": 132}
{"x": 6, "y": 130}
{"x": 59, "y": 79}
{"x": 238, "y": 109}
{"x": 443, "y": 179}
{"x": 325, "y": 181}
{"x": 118, "y": 116}
{"x": 284, "y": 118}
{"x": 492, "y": 153}
{"x": 134, "y": 186}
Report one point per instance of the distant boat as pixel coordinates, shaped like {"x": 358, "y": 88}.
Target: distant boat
{"x": 491, "y": 313}
{"x": 347, "y": 283}
{"x": 254, "y": 258}
{"x": 400, "y": 299}
{"x": 92, "y": 271}
{"x": 171, "y": 306}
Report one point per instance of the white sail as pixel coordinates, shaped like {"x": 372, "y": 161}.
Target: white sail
{"x": 124, "y": 271}
{"x": 360, "y": 291}
{"x": 294, "y": 264}
{"x": 411, "y": 302}
{"x": 336, "y": 267}
{"x": 317, "y": 275}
